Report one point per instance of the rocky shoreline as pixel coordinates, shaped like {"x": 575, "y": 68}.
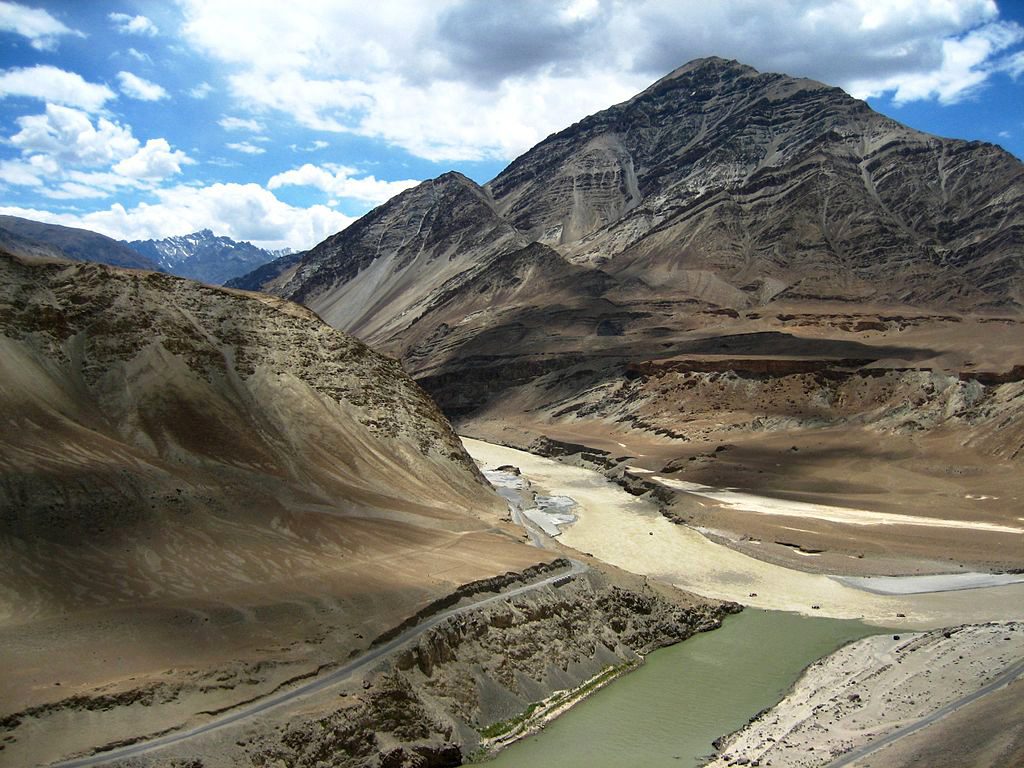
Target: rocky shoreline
{"x": 474, "y": 683}
{"x": 873, "y": 688}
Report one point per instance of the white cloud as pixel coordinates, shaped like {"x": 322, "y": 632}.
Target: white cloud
{"x": 67, "y": 156}
{"x": 133, "y": 25}
{"x": 339, "y": 181}
{"x": 474, "y": 79}
{"x": 135, "y": 87}
{"x": 240, "y": 211}
{"x": 314, "y": 146}
{"x": 70, "y": 137}
{"x": 246, "y": 148}
{"x": 41, "y": 29}
{"x": 240, "y": 124}
{"x": 20, "y": 173}
{"x": 56, "y": 86}
{"x": 1014, "y": 65}
{"x": 156, "y": 160}
{"x": 967, "y": 62}
{"x": 201, "y": 91}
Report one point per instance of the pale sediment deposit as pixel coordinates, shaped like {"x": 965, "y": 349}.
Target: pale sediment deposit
{"x": 886, "y": 686}
{"x": 630, "y": 532}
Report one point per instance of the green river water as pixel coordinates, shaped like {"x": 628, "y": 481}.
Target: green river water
{"x": 668, "y": 711}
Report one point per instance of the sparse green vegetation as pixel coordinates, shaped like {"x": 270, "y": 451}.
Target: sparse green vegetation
{"x": 541, "y": 709}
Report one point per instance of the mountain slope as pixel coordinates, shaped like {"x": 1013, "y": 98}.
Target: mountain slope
{"x": 204, "y": 256}
{"x": 781, "y": 187}
{"x": 25, "y": 237}
{"x": 690, "y": 269}
{"x": 200, "y": 486}
{"x": 377, "y": 275}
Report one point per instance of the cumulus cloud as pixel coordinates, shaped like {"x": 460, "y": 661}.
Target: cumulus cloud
{"x": 341, "y": 182}
{"x": 54, "y": 85}
{"x": 127, "y": 24}
{"x": 156, "y": 160}
{"x": 21, "y": 173}
{"x": 71, "y": 138}
{"x": 240, "y": 211}
{"x": 967, "y": 62}
{"x": 475, "y": 79}
{"x": 65, "y": 155}
{"x": 42, "y": 30}
{"x": 135, "y": 87}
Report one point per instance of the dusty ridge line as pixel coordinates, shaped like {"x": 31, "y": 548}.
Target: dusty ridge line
{"x": 315, "y": 686}
{"x": 1005, "y": 678}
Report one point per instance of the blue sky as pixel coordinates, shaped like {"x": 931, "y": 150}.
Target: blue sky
{"x": 279, "y": 123}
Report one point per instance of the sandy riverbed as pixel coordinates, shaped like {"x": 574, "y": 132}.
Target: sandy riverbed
{"x": 630, "y": 533}
{"x": 871, "y": 688}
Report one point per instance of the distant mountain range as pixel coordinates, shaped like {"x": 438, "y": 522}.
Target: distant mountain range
{"x": 201, "y": 256}
{"x": 204, "y": 256}
{"x": 25, "y": 237}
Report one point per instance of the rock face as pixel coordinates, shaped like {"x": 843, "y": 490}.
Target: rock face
{"x": 429, "y": 706}
{"x": 25, "y": 237}
{"x": 204, "y": 256}
{"x": 388, "y": 267}
{"x": 780, "y": 188}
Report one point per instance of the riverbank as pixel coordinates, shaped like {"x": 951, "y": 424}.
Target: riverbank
{"x": 877, "y": 686}
{"x": 667, "y": 712}
{"x": 502, "y": 734}
{"x": 631, "y": 533}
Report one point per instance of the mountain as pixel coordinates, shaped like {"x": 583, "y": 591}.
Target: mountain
{"x": 204, "y": 256}
{"x": 718, "y": 189}
{"x": 199, "y": 486}
{"x": 728, "y": 258}
{"x": 34, "y": 238}
{"x": 214, "y": 497}
{"x": 777, "y": 188}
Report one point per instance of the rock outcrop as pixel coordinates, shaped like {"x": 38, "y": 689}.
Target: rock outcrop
{"x": 429, "y": 706}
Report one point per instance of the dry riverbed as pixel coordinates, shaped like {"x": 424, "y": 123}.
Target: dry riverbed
{"x": 631, "y": 533}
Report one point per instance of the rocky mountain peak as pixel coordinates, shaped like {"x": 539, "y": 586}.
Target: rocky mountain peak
{"x": 203, "y": 255}
{"x": 718, "y": 186}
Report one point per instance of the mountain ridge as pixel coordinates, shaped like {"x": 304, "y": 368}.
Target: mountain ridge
{"x": 204, "y": 256}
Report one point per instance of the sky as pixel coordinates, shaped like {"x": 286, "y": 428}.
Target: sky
{"x": 280, "y": 123}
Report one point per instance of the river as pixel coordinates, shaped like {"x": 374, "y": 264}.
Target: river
{"x": 667, "y": 712}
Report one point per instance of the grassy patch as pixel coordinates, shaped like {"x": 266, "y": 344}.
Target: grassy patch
{"x": 539, "y": 709}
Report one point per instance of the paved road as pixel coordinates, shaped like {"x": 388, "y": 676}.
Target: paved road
{"x": 1007, "y": 677}
{"x": 326, "y": 680}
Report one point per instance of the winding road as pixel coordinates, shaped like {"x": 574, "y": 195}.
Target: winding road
{"x": 316, "y": 685}
{"x": 1005, "y": 678}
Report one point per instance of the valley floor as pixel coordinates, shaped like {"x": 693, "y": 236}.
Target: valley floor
{"x": 631, "y": 533}
{"x": 918, "y": 689}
